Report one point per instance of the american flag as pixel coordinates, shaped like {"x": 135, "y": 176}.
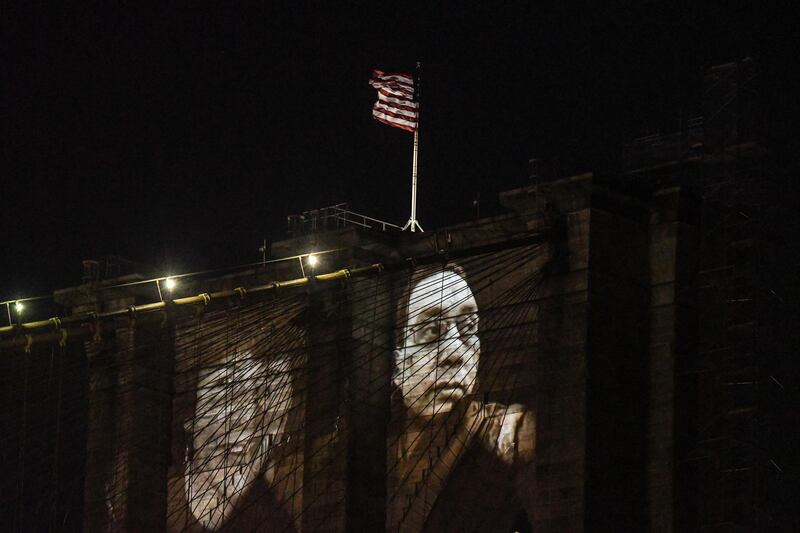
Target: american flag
{"x": 395, "y": 106}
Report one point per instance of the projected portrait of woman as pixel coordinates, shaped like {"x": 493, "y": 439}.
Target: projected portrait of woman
{"x": 240, "y": 417}
{"x": 236, "y": 455}
{"x": 447, "y": 441}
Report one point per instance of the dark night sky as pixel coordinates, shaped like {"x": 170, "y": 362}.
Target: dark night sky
{"x": 179, "y": 137}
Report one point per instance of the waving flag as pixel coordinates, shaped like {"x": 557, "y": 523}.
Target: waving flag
{"x": 395, "y": 106}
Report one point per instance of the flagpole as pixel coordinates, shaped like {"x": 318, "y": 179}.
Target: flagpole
{"x": 412, "y": 223}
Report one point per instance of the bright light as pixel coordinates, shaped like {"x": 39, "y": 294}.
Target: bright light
{"x": 169, "y": 283}
{"x": 312, "y": 260}
{"x": 19, "y": 307}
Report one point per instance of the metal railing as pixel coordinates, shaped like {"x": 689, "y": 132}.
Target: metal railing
{"x": 332, "y": 218}
{"x": 654, "y": 149}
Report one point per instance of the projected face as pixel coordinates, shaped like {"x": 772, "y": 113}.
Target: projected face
{"x": 241, "y": 407}
{"x": 436, "y": 364}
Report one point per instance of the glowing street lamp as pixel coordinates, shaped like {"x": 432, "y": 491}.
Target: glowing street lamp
{"x": 312, "y": 260}
{"x": 19, "y": 307}
{"x": 168, "y": 283}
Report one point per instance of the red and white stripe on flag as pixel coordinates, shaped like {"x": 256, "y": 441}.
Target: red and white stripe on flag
{"x": 395, "y": 106}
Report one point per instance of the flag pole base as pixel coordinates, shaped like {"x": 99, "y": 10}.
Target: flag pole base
{"x": 412, "y": 224}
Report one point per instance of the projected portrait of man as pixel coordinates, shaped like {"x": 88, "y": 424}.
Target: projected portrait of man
{"x": 448, "y": 441}
{"x": 239, "y": 420}
{"x": 436, "y": 364}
